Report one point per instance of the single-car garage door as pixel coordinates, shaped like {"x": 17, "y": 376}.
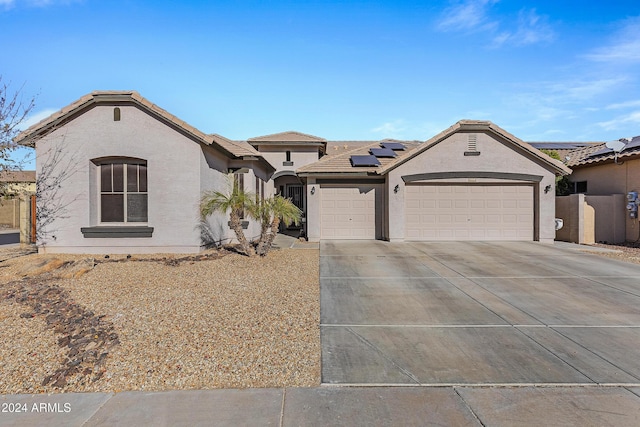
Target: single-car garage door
{"x": 469, "y": 212}
{"x": 348, "y": 212}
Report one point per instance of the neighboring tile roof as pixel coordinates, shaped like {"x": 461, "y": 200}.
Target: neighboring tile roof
{"x": 18, "y": 176}
{"x": 231, "y": 148}
{"x": 558, "y": 145}
{"x": 599, "y": 153}
{"x": 289, "y": 136}
{"x": 563, "y": 149}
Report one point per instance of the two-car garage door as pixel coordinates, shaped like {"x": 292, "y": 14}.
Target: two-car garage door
{"x": 469, "y": 212}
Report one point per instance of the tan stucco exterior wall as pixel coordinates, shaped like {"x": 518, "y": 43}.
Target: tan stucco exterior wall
{"x": 611, "y": 178}
{"x": 300, "y": 156}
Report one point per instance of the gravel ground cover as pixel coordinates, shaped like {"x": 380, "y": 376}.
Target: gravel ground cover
{"x": 219, "y": 321}
{"x": 629, "y": 252}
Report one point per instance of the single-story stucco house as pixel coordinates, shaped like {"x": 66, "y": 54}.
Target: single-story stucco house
{"x": 136, "y": 174}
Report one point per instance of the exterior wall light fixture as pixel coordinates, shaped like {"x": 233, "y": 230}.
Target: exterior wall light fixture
{"x": 547, "y": 189}
{"x": 313, "y": 190}
{"x": 396, "y": 188}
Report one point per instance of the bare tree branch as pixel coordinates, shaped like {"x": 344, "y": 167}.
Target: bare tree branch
{"x": 13, "y": 111}
{"x": 51, "y": 202}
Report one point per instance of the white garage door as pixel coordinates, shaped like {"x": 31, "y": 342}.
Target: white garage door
{"x": 348, "y": 212}
{"x": 469, "y": 212}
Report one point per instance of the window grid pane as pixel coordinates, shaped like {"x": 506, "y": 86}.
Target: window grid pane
{"x": 143, "y": 178}
{"x": 105, "y": 178}
{"x": 132, "y": 178}
{"x": 136, "y": 208}
{"x": 118, "y": 177}
{"x": 112, "y": 208}
{"x": 123, "y": 192}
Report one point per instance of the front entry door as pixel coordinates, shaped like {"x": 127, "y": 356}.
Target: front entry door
{"x": 295, "y": 192}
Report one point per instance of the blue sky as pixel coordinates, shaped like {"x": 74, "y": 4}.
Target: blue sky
{"x": 545, "y": 71}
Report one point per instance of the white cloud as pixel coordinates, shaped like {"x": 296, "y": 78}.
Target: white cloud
{"x": 632, "y": 118}
{"x": 620, "y": 105}
{"x": 36, "y": 117}
{"x": 8, "y": 4}
{"x": 623, "y": 47}
{"x": 585, "y": 89}
{"x": 475, "y": 16}
{"x": 532, "y": 29}
{"x": 393, "y": 129}
{"x": 468, "y": 15}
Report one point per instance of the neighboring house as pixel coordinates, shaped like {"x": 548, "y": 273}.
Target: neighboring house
{"x": 135, "y": 177}
{"x": 473, "y": 181}
{"x": 15, "y": 203}
{"x": 16, "y": 182}
{"x": 600, "y": 171}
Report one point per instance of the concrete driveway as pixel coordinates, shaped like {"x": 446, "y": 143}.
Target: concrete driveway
{"x": 479, "y": 313}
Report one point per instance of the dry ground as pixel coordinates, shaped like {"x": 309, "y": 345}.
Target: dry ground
{"x": 195, "y": 324}
{"x": 629, "y": 252}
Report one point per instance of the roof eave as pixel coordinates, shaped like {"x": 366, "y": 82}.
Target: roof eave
{"x": 357, "y": 174}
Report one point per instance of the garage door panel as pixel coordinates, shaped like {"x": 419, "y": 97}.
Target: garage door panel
{"x": 469, "y": 212}
{"x": 349, "y": 212}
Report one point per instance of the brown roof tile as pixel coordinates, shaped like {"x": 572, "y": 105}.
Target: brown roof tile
{"x": 30, "y": 135}
{"x": 240, "y": 148}
{"x": 599, "y": 153}
{"x": 341, "y": 163}
{"x": 289, "y": 136}
{"x": 18, "y": 176}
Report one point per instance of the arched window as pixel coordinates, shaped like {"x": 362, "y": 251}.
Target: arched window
{"x": 123, "y": 191}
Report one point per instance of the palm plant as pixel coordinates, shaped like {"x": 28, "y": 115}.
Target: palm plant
{"x": 234, "y": 202}
{"x": 276, "y": 209}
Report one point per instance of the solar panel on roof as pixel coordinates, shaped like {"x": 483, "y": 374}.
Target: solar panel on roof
{"x": 382, "y": 152}
{"x": 556, "y": 145}
{"x": 393, "y": 145}
{"x": 601, "y": 152}
{"x": 634, "y": 143}
{"x": 364, "y": 161}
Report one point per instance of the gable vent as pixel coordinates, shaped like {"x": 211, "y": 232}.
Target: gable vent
{"x": 472, "y": 146}
{"x": 473, "y": 143}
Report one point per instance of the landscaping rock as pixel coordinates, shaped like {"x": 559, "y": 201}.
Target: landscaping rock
{"x": 65, "y": 315}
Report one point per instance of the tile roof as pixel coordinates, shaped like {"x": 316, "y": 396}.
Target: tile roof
{"x": 480, "y": 126}
{"x": 17, "y": 176}
{"x": 341, "y": 163}
{"x": 339, "y": 147}
{"x": 30, "y": 135}
{"x": 289, "y": 136}
{"x": 559, "y": 145}
{"x": 240, "y": 148}
{"x": 600, "y": 153}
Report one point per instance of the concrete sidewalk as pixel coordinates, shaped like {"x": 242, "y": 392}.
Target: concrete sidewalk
{"x": 332, "y": 406}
